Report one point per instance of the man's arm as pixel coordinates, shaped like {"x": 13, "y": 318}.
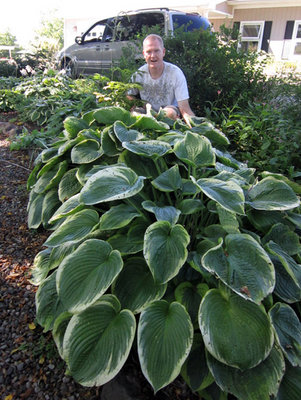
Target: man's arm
{"x": 186, "y": 111}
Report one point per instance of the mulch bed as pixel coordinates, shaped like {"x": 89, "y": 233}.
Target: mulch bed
{"x": 30, "y": 367}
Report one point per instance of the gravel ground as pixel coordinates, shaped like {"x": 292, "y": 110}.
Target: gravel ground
{"x": 30, "y": 367}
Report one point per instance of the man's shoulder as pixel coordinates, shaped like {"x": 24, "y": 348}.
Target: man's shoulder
{"x": 143, "y": 68}
{"x": 140, "y": 74}
{"x": 169, "y": 67}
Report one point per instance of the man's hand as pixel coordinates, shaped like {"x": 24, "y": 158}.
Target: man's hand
{"x": 186, "y": 111}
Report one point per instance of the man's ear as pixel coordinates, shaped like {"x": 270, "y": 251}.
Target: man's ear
{"x": 163, "y": 51}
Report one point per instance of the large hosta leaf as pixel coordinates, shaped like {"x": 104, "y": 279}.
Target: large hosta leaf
{"x": 285, "y": 237}
{"x": 257, "y": 383}
{"x": 71, "y": 206}
{"x": 59, "y": 329}
{"x": 144, "y": 122}
{"x": 294, "y": 185}
{"x": 146, "y": 168}
{"x": 272, "y": 194}
{"x": 124, "y": 134}
{"x": 190, "y": 206}
{"x": 165, "y": 249}
{"x": 190, "y": 296}
{"x": 195, "y": 370}
{"x": 228, "y": 160}
{"x": 162, "y": 213}
{"x": 51, "y": 178}
{"x": 117, "y": 217}
{"x": 228, "y": 194}
{"x": 165, "y": 336}
{"x": 195, "y": 150}
{"x": 41, "y": 267}
{"x": 263, "y": 220}
{"x": 227, "y": 219}
{"x": 130, "y": 242}
{"x": 34, "y": 208}
{"x": 48, "y": 304}
{"x": 243, "y": 265}
{"x": 169, "y": 181}
{"x": 135, "y": 286}
{"x": 86, "y": 152}
{"x": 51, "y": 203}
{"x": 288, "y": 330}
{"x": 114, "y": 183}
{"x": 74, "y": 228}
{"x": 60, "y": 252}
{"x": 288, "y": 274}
{"x": 108, "y": 115}
{"x": 236, "y": 332}
{"x": 148, "y": 148}
{"x": 290, "y": 387}
{"x": 69, "y": 185}
{"x": 85, "y": 275}
{"x": 97, "y": 342}
{"x": 108, "y": 143}
{"x": 213, "y": 134}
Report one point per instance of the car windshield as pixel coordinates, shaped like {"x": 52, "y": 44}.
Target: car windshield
{"x": 189, "y": 22}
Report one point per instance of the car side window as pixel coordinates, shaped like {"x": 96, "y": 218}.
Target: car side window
{"x": 187, "y": 22}
{"x": 123, "y": 28}
{"x": 149, "y": 20}
{"x": 128, "y": 27}
{"x": 95, "y": 33}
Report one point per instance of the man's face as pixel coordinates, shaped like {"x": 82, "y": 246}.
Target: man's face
{"x": 153, "y": 53}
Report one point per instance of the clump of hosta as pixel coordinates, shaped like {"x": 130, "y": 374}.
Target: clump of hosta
{"x": 160, "y": 237}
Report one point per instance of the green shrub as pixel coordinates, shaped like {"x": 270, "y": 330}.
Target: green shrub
{"x": 8, "y": 68}
{"x": 159, "y": 234}
{"x": 214, "y": 69}
{"x": 266, "y": 136}
{"x": 47, "y": 98}
{"x": 8, "y": 97}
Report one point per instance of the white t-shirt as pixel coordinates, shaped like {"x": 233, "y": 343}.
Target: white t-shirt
{"x": 170, "y": 88}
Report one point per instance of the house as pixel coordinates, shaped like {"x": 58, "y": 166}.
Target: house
{"x": 270, "y": 25}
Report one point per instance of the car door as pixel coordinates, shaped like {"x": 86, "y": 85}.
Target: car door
{"x": 119, "y": 32}
{"x": 91, "y": 52}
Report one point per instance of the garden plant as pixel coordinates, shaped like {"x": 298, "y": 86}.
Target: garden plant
{"x": 164, "y": 244}
{"x": 178, "y": 244}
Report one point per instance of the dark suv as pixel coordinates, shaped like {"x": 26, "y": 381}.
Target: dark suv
{"x": 100, "y": 47}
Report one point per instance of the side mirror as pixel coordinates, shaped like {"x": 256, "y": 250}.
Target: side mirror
{"x": 79, "y": 40}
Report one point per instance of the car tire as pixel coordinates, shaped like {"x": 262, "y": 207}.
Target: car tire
{"x": 69, "y": 67}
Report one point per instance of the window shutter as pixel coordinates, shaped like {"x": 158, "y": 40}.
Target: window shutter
{"x": 289, "y": 30}
{"x": 236, "y": 27}
{"x": 266, "y": 36}
{"x": 288, "y": 35}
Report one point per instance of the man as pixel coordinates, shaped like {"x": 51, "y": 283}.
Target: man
{"x": 163, "y": 84}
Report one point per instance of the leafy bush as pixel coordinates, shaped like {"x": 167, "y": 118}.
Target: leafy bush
{"x": 8, "y": 97}
{"x": 8, "y": 68}
{"x": 264, "y": 135}
{"x": 214, "y": 69}
{"x": 159, "y": 234}
{"x": 47, "y": 98}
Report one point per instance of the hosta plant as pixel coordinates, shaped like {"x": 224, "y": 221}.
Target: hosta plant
{"x": 164, "y": 244}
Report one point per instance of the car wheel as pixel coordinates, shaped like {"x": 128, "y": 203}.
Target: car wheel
{"x": 69, "y": 67}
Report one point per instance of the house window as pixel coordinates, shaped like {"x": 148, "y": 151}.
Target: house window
{"x": 251, "y": 35}
{"x": 297, "y": 39}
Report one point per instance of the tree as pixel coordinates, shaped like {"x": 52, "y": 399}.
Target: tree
{"x": 51, "y": 28}
{"x": 48, "y": 40}
{"x": 7, "y": 39}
